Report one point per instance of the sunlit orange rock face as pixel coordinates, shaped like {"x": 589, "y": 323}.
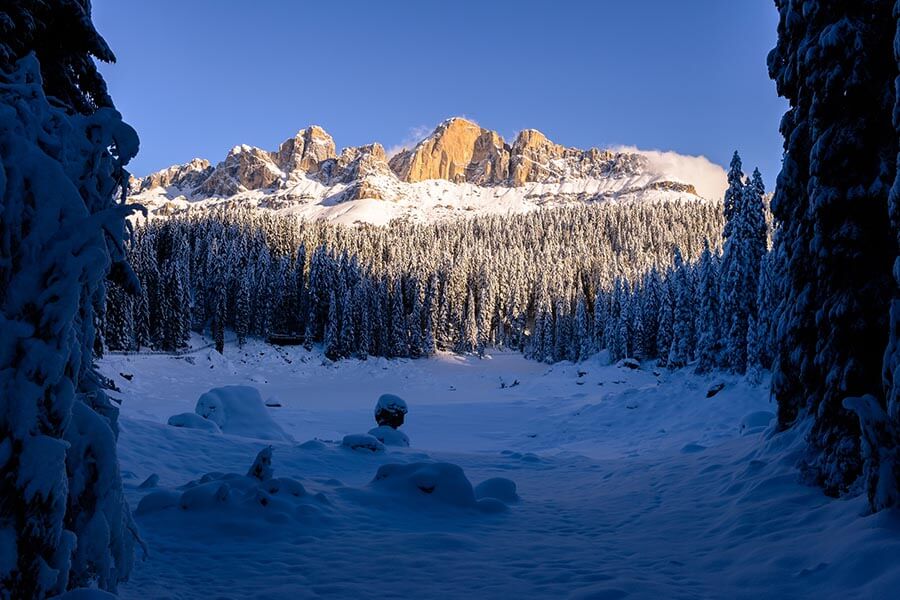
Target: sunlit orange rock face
{"x": 458, "y": 151}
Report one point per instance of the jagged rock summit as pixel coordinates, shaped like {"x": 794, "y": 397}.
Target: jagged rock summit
{"x": 459, "y": 151}
{"x": 460, "y": 168}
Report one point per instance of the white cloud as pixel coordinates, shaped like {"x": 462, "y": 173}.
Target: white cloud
{"x": 709, "y": 178}
{"x": 413, "y": 137}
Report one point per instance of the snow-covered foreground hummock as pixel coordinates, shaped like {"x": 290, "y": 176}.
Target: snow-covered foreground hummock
{"x": 522, "y": 480}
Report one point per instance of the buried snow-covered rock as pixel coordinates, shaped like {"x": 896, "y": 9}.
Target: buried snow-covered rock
{"x": 193, "y": 421}
{"x": 258, "y": 492}
{"x": 499, "y": 488}
{"x": 390, "y": 411}
{"x": 389, "y": 436}
{"x": 362, "y": 442}
{"x": 239, "y": 410}
{"x": 430, "y": 485}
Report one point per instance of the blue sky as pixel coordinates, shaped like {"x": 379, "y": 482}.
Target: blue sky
{"x": 196, "y": 77}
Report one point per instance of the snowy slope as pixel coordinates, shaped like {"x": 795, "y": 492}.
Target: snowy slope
{"x": 423, "y": 201}
{"x": 631, "y": 484}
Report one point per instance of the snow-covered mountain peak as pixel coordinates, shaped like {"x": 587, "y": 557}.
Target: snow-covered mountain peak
{"x": 459, "y": 169}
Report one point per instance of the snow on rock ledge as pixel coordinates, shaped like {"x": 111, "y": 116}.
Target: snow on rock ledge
{"x": 239, "y": 410}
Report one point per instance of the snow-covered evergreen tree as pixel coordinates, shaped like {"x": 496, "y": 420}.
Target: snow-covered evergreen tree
{"x": 583, "y": 330}
{"x": 834, "y": 62}
{"x": 651, "y": 298}
{"x": 880, "y": 419}
{"x": 746, "y": 241}
{"x": 242, "y": 306}
{"x": 666, "y": 331}
{"x": 683, "y": 340}
{"x": 63, "y": 517}
{"x": 331, "y": 343}
{"x": 599, "y": 321}
{"x": 428, "y": 343}
{"x": 398, "y": 344}
{"x": 709, "y": 336}
{"x": 119, "y": 324}
{"x": 734, "y": 194}
{"x": 615, "y": 334}
{"x": 469, "y": 338}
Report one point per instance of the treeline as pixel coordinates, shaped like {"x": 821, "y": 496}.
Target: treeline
{"x": 557, "y": 285}
{"x": 714, "y": 311}
{"x": 259, "y": 274}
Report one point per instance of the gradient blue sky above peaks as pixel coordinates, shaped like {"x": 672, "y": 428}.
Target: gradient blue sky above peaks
{"x": 197, "y": 77}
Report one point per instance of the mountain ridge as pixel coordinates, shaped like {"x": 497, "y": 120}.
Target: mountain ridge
{"x": 459, "y": 168}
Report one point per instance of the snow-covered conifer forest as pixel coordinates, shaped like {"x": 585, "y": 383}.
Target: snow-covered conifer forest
{"x": 644, "y": 395}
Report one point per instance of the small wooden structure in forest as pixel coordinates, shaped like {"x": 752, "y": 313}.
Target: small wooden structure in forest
{"x": 286, "y": 339}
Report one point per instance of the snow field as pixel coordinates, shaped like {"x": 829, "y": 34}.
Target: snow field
{"x": 583, "y": 481}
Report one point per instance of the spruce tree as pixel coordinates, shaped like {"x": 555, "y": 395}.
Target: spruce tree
{"x": 666, "y": 319}
{"x": 469, "y": 338}
{"x": 880, "y": 419}
{"x": 733, "y": 194}
{"x": 64, "y": 520}
{"x": 428, "y": 343}
{"x": 834, "y": 63}
{"x": 651, "y": 299}
{"x": 601, "y": 304}
{"x": 708, "y": 332}
{"x": 398, "y": 344}
{"x": 681, "y": 351}
{"x": 583, "y": 330}
{"x": 330, "y": 341}
{"x": 242, "y": 306}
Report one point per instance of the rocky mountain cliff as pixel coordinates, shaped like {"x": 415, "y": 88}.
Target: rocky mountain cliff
{"x": 461, "y": 167}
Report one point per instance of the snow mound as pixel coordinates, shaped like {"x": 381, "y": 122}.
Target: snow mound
{"x": 430, "y": 485}
{"x": 312, "y": 445}
{"x": 389, "y": 436}
{"x": 756, "y": 421}
{"x": 239, "y": 410}
{"x": 218, "y": 361}
{"x": 257, "y": 494}
{"x": 499, "y": 488}
{"x": 193, "y": 421}
{"x": 362, "y": 441}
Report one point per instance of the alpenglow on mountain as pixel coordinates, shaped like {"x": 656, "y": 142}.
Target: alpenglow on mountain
{"x": 460, "y": 169}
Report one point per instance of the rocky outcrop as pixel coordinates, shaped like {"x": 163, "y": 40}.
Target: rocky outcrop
{"x": 357, "y": 167}
{"x": 356, "y": 163}
{"x": 186, "y": 176}
{"x": 245, "y": 168}
{"x": 673, "y": 186}
{"x": 459, "y": 151}
{"x": 249, "y": 168}
{"x": 537, "y": 159}
{"x": 305, "y": 151}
